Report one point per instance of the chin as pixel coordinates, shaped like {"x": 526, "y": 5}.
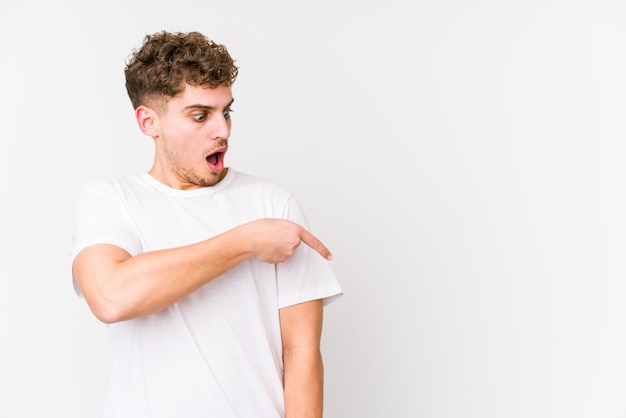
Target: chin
{"x": 212, "y": 180}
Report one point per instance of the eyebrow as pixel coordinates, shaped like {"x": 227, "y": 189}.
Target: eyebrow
{"x": 205, "y": 107}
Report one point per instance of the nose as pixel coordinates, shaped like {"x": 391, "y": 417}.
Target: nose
{"x": 221, "y": 127}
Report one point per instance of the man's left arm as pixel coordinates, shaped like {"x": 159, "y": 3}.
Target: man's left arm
{"x": 301, "y": 329}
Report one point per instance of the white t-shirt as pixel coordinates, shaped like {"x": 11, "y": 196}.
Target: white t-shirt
{"x": 218, "y": 351}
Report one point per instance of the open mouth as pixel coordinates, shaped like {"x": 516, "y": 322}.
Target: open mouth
{"x": 216, "y": 161}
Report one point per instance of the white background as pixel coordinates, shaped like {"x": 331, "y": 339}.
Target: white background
{"x": 462, "y": 159}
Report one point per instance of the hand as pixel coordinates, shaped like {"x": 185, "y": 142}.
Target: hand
{"x": 275, "y": 240}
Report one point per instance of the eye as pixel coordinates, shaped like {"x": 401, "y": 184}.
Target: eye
{"x": 199, "y": 117}
{"x": 227, "y": 113}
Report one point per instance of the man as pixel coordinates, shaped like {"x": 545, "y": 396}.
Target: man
{"x": 213, "y": 306}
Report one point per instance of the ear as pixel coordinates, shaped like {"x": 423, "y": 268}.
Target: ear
{"x": 147, "y": 120}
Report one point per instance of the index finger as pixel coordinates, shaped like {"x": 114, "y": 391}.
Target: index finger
{"x": 313, "y": 242}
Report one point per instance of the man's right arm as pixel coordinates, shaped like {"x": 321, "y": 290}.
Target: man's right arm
{"x": 118, "y": 286}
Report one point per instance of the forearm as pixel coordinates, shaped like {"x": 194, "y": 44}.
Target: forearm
{"x": 304, "y": 384}
{"x": 118, "y": 287}
{"x": 301, "y": 330}
{"x": 124, "y": 287}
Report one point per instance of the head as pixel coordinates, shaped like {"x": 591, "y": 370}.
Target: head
{"x": 180, "y": 87}
{"x": 167, "y": 62}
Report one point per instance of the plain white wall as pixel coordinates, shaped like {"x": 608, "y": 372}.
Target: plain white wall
{"x": 462, "y": 159}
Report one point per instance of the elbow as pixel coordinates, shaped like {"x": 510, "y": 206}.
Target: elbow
{"x": 108, "y": 310}
{"x": 108, "y": 313}
{"x": 99, "y": 278}
{"x": 106, "y": 305}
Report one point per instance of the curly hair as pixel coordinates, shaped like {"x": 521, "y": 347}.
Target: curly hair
{"x": 166, "y": 62}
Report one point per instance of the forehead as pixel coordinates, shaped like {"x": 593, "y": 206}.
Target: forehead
{"x": 218, "y": 97}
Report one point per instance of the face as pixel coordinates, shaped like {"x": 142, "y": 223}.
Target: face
{"x": 191, "y": 137}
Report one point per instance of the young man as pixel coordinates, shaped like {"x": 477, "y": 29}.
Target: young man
{"x": 213, "y": 306}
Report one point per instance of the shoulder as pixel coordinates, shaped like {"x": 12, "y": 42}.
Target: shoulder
{"x": 115, "y": 183}
{"x": 244, "y": 180}
{"x": 110, "y": 188}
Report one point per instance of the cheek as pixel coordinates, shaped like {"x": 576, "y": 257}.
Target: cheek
{"x": 180, "y": 138}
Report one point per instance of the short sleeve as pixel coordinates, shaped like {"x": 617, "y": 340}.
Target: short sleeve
{"x": 306, "y": 275}
{"x": 101, "y": 217}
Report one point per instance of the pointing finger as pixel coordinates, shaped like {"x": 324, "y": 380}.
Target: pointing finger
{"x": 313, "y": 242}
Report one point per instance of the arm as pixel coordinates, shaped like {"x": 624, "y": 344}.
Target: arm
{"x": 301, "y": 330}
{"x": 118, "y": 286}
